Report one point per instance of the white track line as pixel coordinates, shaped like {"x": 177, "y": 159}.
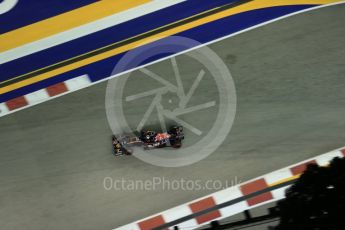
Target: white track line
{"x": 84, "y": 30}
{"x": 174, "y": 55}
{"x": 42, "y": 95}
{"x": 7, "y": 5}
{"x": 235, "y": 192}
{"x": 217, "y": 40}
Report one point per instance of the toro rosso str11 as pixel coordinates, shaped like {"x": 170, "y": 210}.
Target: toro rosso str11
{"x": 122, "y": 145}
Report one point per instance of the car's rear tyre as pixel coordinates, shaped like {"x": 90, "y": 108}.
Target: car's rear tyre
{"x": 176, "y": 145}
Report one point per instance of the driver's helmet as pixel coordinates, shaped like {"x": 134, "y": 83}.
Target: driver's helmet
{"x": 149, "y": 135}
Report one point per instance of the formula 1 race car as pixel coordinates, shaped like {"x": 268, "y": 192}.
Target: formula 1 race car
{"x": 123, "y": 145}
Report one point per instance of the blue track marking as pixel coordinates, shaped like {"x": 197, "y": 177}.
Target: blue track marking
{"x": 105, "y": 37}
{"x": 30, "y": 11}
{"x": 208, "y": 32}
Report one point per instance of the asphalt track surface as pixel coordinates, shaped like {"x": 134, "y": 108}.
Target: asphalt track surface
{"x": 289, "y": 78}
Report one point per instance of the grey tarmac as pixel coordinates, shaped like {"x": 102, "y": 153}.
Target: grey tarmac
{"x": 289, "y": 78}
